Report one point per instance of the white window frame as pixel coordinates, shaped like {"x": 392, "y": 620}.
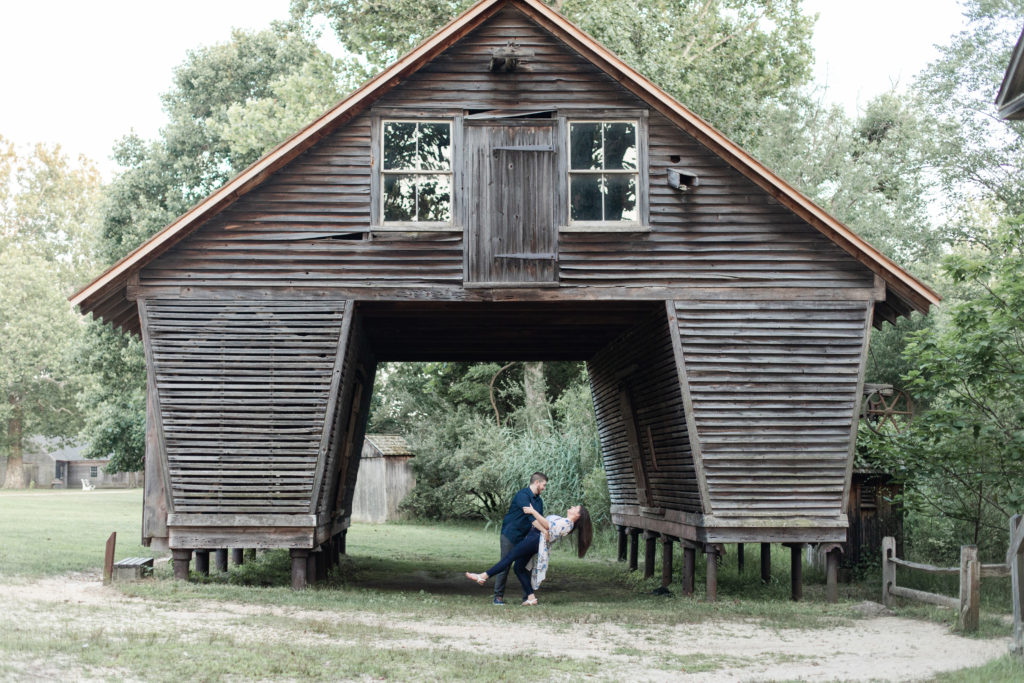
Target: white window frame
{"x": 641, "y": 222}
{"x": 380, "y": 173}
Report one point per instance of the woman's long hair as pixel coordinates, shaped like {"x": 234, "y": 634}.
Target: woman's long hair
{"x": 586, "y": 532}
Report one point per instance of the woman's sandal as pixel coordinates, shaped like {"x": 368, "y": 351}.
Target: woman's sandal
{"x": 529, "y": 602}
{"x": 479, "y": 578}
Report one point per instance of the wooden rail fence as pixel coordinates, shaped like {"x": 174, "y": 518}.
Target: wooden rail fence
{"x": 971, "y": 570}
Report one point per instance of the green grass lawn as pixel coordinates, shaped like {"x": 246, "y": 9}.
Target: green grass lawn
{"x": 52, "y": 532}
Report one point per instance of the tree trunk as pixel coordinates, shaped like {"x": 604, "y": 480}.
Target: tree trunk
{"x": 535, "y": 390}
{"x": 15, "y": 478}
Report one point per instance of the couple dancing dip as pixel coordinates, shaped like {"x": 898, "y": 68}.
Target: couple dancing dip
{"x": 526, "y": 540}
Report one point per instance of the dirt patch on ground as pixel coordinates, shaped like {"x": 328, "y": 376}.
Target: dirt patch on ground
{"x": 878, "y": 647}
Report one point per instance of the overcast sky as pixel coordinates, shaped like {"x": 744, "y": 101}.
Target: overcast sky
{"x": 83, "y": 74}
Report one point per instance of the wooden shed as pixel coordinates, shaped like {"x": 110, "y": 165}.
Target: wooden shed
{"x": 385, "y": 478}
{"x": 507, "y": 190}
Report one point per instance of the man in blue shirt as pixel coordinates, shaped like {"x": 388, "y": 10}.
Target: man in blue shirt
{"x": 516, "y": 525}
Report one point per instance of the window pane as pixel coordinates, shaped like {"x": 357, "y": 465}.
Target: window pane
{"x": 435, "y": 198}
{"x": 585, "y": 197}
{"x": 585, "y": 145}
{"x": 399, "y": 145}
{"x": 620, "y": 198}
{"x": 435, "y": 147}
{"x": 399, "y": 198}
{"x": 620, "y": 146}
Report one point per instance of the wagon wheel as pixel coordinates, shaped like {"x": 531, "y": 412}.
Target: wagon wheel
{"x": 890, "y": 413}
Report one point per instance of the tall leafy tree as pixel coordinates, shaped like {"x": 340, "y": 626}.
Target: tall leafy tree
{"x": 963, "y": 457}
{"x": 45, "y": 205}
{"x": 977, "y": 154}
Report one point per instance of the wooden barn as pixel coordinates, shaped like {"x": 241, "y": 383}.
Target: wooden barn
{"x": 509, "y": 190}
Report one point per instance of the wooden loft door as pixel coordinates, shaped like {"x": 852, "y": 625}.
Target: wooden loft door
{"x": 511, "y": 198}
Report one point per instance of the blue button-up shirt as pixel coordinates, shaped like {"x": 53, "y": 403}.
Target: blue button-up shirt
{"x": 516, "y": 525}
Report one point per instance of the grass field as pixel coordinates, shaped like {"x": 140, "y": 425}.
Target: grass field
{"x": 400, "y": 572}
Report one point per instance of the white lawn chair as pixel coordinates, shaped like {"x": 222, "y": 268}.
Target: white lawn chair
{"x": 86, "y": 486}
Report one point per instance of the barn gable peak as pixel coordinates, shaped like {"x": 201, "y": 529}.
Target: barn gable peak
{"x": 109, "y": 295}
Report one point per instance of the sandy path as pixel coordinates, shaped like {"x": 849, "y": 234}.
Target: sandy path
{"x": 879, "y": 648}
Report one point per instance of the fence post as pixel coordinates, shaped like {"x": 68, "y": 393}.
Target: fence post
{"x": 970, "y": 588}
{"x": 888, "y": 569}
{"x": 1016, "y": 562}
{"x": 108, "y": 559}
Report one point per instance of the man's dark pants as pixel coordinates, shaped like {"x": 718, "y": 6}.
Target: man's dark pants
{"x": 499, "y": 580}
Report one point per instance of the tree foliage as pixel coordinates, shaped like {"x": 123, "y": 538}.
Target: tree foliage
{"x": 964, "y": 456}
{"x": 977, "y": 155}
{"x": 45, "y": 204}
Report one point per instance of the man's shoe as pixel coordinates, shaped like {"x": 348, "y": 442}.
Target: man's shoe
{"x": 499, "y": 601}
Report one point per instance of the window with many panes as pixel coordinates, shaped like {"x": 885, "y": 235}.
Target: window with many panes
{"x": 416, "y": 173}
{"x": 604, "y": 181}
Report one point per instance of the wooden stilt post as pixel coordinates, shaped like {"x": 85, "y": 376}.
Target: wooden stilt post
{"x": 711, "y": 590}
{"x": 237, "y": 557}
{"x": 832, "y": 573}
{"x": 203, "y": 562}
{"x": 311, "y": 575}
{"x": 796, "y": 570}
{"x": 970, "y": 588}
{"x": 667, "y": 546}
{"x": 689, "y": 567}
{"x": 634, "y": 548}
{"x": 322, "y": 558}
{"x": 739, "y": 558}
{"x": 299, "y": 562}
{"x": 623, "y": 542}
{"x": 181, "y": 558}
{"x": 221, "y": 559}
{"x": 649, "y": 553}
{"x": 766, "y": 562}
{"x": 343, "y": 538}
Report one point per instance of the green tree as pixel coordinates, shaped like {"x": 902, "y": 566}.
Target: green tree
{"x": 45, "y": 205}
{"x": 964, "y": 456}
{"x": 977, "y": 154}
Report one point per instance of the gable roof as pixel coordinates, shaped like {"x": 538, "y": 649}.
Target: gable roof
{"x": 108, "y": 296}
{"x": 1010, "y": 99}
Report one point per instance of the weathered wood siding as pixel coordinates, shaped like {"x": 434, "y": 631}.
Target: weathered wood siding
{"x": 348, "y": 424}
{"x": 243, "y": 388}
{"x": 641, "y": 364}
{"x": 308, "y": 224}
{"x": 775, "y": 388}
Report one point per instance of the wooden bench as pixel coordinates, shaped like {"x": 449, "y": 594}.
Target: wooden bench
{"x": 133, "y": 568}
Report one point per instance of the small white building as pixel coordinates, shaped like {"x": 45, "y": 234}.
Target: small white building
{"x": 385, "y": 477}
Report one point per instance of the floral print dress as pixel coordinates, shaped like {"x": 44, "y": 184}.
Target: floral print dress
{"x": 560, "y": 526}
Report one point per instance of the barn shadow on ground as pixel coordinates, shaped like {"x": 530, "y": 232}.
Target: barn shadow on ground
{"x": 430, "y": 564}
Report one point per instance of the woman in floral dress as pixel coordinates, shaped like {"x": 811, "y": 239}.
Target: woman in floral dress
{"x": 546, "y": 532}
